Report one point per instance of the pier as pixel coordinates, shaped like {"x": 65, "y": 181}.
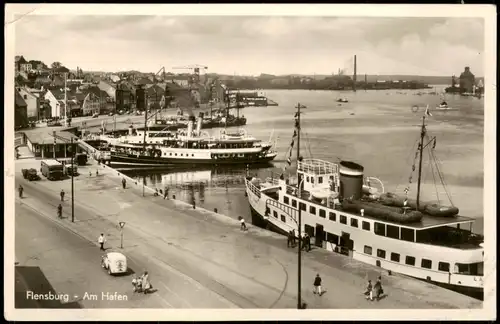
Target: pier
{"x": 196, "y": 258}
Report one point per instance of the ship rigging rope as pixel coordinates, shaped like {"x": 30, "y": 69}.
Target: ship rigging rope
{"x": 433, "y": 175}
{"x": 441, "y": 177}
{"x": 308, "y": 144}
{"x": 406, "y": 160}
{"x": 437, "y": 162}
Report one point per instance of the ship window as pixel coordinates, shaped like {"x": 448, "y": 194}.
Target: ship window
{"x": 286, "y": 200}
{"x": 354, "y": 222}
{"x": 332, "y": 216}
{"x": 182, "y": 154}
{"x": 307, "y": 179}
{"x": 410, "y": 260}
{"x": 170, "y": 154}
{"x": 366, "y": 226}
{"x": 175, "y": 154}
{"x": 444, "y": 266}
{"x": 393, "y": 232}
{"x": 294, "y": 203}
{"x": 381, "y": 253}
{"x": 312, "y": 210}
{"x": 283, "y": 218}
{"x": 407, "y": 234}
{"x": 322, "y": 213}
{"x": 302, "y": 206}
{"x": 192, "y": 154}
{"x": 395, "y": 257}
{"x": 275, "y": 214}
{"x": 474, "y": 269}
{"x": 320, "y": 179}
{"x": 426, "y": 264}
{"x": 343, "y": 219}
{"x": 368, "y": 250}
{"x": 379, "y": 229}
{"x": 312, "y": 179}
{"x": 332, "y": 238}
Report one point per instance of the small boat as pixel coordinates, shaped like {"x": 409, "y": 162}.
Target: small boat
{"x": 342, "y": 100}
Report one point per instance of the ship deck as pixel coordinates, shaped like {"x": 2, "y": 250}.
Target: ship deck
{"x": 427, "y": 221}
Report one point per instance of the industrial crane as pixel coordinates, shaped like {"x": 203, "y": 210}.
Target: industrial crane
{"x": 196, "y": 71}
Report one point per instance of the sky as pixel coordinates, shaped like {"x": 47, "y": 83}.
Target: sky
{"x": 251, "y": 45}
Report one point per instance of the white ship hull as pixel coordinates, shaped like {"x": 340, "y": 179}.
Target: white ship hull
{"x": 357, "y": 242}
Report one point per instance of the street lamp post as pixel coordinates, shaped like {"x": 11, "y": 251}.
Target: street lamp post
{"x": 299, "y": 293}
{"x": 72, "y": 182}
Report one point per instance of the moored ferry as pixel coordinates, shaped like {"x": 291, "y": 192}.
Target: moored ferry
{"x": 346, "y": 212}
{"x": 157, "y": 148}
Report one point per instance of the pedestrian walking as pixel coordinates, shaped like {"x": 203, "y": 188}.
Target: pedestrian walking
{"x": 59, "y": 211}
{"x": 90, "y": 173}
{"x": 96, "y": 173}
{"x": 62, "y": 194}
{"x": 308, "y": 243}
{"x": 101, "y": 240}
{"x": 243, "y": 226}
{"x": 378, "y": 288}
{"x": 124, "y": 183}
{"x": 165, "y": 193}
{"x": 317, "y": 285}
{"x": 293, "y": 238}
{"x": 20, "y": 189}
{"x": 289, "y": 241}
{"x": 369, "y": 291}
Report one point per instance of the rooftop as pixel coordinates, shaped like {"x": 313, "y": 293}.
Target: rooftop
{"x": 44, "y": 135}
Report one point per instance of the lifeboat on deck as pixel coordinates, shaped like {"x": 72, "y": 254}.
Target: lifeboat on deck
{"x": 432, "y": 209}
{"x": 373, "y": 209}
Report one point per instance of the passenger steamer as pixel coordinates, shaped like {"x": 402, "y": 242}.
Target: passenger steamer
{"x": 157, "y": 148}
{"x": 344, "y": 212}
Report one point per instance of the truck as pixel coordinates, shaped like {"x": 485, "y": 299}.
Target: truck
{"x": 68, "y": 167}
{"x": 52, "y": 169}
{"x": 30, "y": 174}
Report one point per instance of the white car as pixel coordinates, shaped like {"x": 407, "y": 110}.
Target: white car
{"x": 114, "y": 262}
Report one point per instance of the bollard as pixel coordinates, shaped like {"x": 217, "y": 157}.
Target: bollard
{"x": 215, "y": 210}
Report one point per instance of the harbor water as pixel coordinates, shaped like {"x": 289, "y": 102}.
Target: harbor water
{"x": 377, "y": 129}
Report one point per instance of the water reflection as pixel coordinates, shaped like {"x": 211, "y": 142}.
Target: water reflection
{"x": 222, "y": 188}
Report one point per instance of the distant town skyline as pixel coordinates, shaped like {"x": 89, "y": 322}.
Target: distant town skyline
{"x": 254, "y": 45}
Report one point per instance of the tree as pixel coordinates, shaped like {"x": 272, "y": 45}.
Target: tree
{"x": 56, "y": 65}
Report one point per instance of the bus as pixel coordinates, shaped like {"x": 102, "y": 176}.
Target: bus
{"x": 52, "y": 169}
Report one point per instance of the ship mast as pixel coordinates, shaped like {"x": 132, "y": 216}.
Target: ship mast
{"x": 421, "y": 150}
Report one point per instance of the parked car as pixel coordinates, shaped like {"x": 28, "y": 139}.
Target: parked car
{"x": 96, "y": 115}
{"x": 30, "y": 174}
{"x": 114, "y": 262}
{"x": 111, "y": 114}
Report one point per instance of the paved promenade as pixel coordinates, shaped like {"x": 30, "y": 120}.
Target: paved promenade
{"x": 199, "y": 259}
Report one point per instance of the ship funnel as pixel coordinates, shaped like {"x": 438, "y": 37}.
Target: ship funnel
{"x": 198, "y": 125}
{"x": 191, "y": 120}
{"x": 351, "y": 180}
{"x": 131, "y": 130}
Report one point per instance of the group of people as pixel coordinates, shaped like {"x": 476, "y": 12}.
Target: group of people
{"x": 374, "y": 290}
{"x": 142, "y": 283}
{"x": 306, "y": 241}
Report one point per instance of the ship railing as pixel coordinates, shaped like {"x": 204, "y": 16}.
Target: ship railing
{"x": 273, "y": 181}
{"x": 253, "y": 188}
{"x": 317, "y": 166}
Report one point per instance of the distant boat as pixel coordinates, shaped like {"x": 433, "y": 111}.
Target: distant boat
{"x": 342, "y": 100}
{"x": 444, "y": 106}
